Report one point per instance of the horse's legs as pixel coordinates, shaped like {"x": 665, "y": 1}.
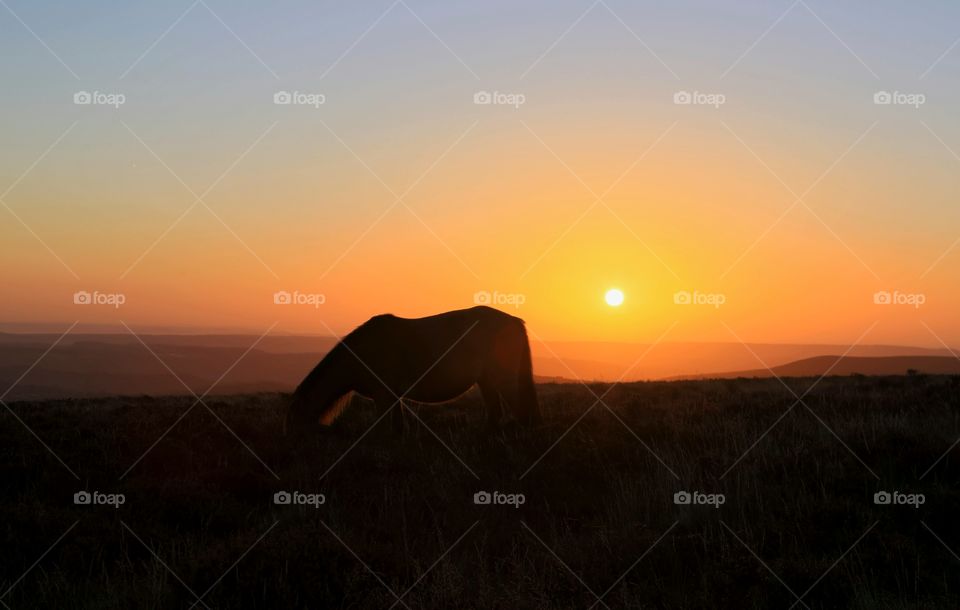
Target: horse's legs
{"x": 523, "y": 406}
{"x": 385, "y": 402}
{"x": 399, "y": 417}
{"x": 492, "y": 401}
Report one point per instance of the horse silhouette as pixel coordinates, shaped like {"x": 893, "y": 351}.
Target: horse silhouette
{"x": 433, "y": 359}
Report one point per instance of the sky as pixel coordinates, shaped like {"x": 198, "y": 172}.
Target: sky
{"x": 783, "y": 200}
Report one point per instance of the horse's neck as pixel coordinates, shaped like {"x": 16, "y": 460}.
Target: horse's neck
{"x": 331, "y": 379}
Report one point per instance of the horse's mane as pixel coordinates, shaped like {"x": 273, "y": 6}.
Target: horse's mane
{"x": 335, "y": 408}
{"x": 319, "y": 370}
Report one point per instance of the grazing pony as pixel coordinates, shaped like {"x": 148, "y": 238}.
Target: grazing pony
{"x": 432, "y": 359}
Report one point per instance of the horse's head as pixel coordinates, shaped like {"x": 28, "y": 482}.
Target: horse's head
{"x": 322, "y": 395}
{"x": 301, "y": 417}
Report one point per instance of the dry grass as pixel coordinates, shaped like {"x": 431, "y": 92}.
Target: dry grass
{"x": 599, "y": 499}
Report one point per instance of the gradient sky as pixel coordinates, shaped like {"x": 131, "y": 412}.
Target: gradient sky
{"x": 498, "y": 196}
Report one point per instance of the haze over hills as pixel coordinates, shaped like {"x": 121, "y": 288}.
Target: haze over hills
{"x": 105, "y": 364}
{"x": 849, "y": 365}
{"x": 701, "y": 359}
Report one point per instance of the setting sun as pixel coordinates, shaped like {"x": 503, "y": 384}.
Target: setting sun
{"x": 614, "y": 297}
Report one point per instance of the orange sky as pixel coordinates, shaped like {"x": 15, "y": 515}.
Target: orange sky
{"x": 698, "y": 196}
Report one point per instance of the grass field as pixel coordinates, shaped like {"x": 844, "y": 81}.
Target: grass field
{"x": 399, "y": 526}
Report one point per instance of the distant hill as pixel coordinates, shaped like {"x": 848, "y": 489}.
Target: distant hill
{"x": 608, "y": 361}
{"x": 90, "y": 369}
{"x": 848, "y": 365}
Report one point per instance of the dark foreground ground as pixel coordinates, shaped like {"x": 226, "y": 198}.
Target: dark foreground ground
{"x": 399, "y": 527}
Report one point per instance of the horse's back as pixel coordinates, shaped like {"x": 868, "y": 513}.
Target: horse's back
{"x": 456, "y": 322}
{"x": 454, "y": 345}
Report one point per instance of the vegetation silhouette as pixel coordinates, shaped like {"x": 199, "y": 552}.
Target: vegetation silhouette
{"x": 433, "y": 359}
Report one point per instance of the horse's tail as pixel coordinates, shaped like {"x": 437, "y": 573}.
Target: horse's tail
{"x": 525, "y": 387}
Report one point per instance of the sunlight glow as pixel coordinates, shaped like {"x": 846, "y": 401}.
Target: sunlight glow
{"x": 614, "y": 297}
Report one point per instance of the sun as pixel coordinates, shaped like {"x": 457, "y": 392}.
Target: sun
{"x": 614, "y": 297}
